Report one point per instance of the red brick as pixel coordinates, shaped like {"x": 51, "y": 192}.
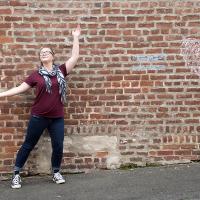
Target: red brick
{"x": 18, "y": 3}
{"x": 143, "y": 12}
{"x": 5, "y": 11}
{"x": 146, "y": 83}
{"x": 135, "y": 18}
{"x": 164, "y": 25}
{"x": 188, "y": 146}
{"x": 6, "y": 39}
{"x": 146, "y": 25}
{"x": 183, "y": 152}
{"x": 164, "y": 153}
{"x": 71, "y": 122}
{"x": 114, "y": 78}
{"x": 111, "y": 11}
{"x": 128, "y": 12}
{"x": 155, "y": 38}
{"x": 116, "y": 19}
{"x": 171, "y": 147}
{"x": 164, "y": 11}
{"x": 101, "y": 154}
{"x": 13, "y": 18}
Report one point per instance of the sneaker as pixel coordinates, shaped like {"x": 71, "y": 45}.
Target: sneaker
{"x": 16, "y": 181}
{"x": 57, "y": 178}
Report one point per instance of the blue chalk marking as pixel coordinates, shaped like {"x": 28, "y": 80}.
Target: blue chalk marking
{"x": 149, "y": 67}
{"x": 148, "y": 62}
{"x": 148, "y": 58}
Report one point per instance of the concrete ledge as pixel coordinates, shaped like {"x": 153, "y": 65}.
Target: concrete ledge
{"x": 91, "y": 145}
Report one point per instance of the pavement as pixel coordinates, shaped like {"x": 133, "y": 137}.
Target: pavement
{"x": 174, "y": 182}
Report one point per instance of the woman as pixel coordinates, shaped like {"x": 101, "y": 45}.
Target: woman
{"x": 48, "y": 110}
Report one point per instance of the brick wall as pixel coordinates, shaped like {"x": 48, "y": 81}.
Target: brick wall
{"x": 130, "y": 83}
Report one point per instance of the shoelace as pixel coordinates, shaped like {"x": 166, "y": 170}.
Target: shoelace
{"x": 16, "y": 179}
{"x": 58, "y": 176}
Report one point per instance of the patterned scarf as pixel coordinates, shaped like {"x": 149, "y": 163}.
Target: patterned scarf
{"x": 61, "y": 80}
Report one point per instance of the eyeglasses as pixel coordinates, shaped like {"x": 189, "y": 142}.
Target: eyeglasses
{"x": 46, "y": 53}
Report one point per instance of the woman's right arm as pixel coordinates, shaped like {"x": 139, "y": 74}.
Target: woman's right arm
{"x": 16, "y": 90}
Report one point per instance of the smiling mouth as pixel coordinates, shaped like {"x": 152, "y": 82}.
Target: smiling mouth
{"x": 45, "y": 57}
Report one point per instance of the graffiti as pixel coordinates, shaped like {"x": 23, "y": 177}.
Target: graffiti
{"x": 151, "y": 67}
{"x": 149, "y": 58}
{"x": 190, "y": 50}
{"x": 148, "y": 62}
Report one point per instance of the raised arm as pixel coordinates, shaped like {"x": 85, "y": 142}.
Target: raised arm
{"x": 75, "y": 50}
{"x": 16, "y": 90}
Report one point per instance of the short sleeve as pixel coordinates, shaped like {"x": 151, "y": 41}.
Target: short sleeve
{"x": 63, "y": 69}
{"x": 30, "y": 80}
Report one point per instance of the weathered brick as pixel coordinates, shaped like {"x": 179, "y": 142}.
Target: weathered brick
{"x": 4, "y": 40}
{"x": 110, "y": 93}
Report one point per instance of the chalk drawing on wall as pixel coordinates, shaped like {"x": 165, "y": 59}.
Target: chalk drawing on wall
{"x": 190, "y": 50}
{"x": 149, "y": 62}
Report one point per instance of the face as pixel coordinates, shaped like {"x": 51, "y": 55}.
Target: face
{"x": 46, "y": 55}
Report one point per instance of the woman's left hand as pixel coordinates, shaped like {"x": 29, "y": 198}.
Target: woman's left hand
{"x": 77, "y": 32}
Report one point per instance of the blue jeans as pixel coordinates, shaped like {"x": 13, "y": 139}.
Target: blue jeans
{"x": 36, "y": 126}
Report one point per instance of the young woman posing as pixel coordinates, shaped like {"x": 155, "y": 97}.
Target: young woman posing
{"x": 47, "y": 110}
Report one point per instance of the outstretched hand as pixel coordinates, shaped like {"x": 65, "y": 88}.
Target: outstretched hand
{"x": 77, "y": 31}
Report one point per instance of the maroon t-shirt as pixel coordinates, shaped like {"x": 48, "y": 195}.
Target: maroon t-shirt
{"x": 46, "y": 104}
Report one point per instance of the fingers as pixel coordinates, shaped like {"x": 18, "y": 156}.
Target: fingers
{"x": 77, "y": 30}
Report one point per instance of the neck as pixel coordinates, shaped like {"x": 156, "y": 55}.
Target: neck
{"x": 48, "y": 66}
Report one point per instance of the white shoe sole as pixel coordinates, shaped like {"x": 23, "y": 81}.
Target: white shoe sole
{"x": 59, "y": 182}
{"x": 16, "y": 186}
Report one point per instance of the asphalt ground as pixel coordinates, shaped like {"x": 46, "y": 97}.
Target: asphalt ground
{"x": 174, "y": 182}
